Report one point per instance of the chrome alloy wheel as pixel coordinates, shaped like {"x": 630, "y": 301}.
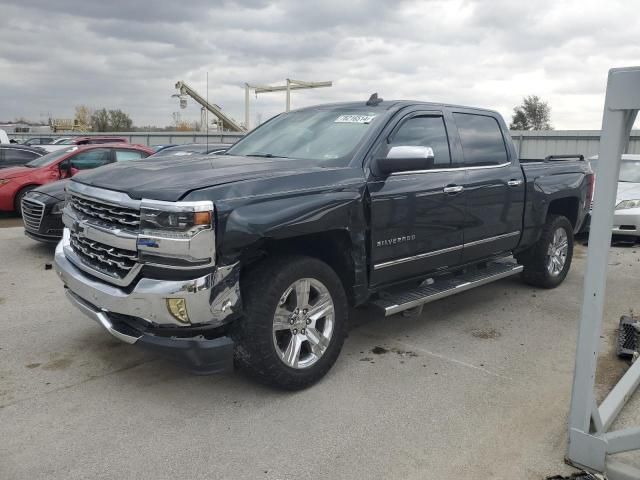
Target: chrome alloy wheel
{"x": 303, "y": 323}
{"x": 557, "y": 252}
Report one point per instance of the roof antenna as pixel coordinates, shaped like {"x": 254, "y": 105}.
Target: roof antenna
{"x": 374, "y": 100}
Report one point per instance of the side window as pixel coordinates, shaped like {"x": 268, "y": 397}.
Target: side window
{"x": 19, "y": 157}
{"x": 91, "y": 159}
{"x": 481, "y": 138}
{"x": 126, "y": 155}
{"x": 426, "y": 132}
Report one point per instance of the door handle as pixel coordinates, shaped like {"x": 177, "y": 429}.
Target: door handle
{"x": 453, "y": 189}
{"x": 514, "y": 183}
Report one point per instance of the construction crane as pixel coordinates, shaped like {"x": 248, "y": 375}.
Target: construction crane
{"x": 224, "y": 121}
{"x": 290, "y": 85}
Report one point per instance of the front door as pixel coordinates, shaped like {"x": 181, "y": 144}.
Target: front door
{"x": 417, "y": 218}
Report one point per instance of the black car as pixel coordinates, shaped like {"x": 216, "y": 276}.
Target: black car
{"x": 192, "y": 149}
{"x": 42, "y": 212}
{"x": 13, "y": 154}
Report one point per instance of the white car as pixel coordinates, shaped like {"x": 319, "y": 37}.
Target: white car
{"x": 4, "y": 138}
{"x": 626, "y": 217}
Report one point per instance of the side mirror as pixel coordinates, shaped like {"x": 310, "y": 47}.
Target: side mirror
{"x": 67, "y": 170}
{"x": 404, "y": 159}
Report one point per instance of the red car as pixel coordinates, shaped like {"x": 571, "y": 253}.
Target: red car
{"x": 15, "y": 182}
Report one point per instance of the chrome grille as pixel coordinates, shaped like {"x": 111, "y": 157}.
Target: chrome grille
{"x": 111, "y": 216}
{"x": 32, "y": 213}
{"x": 111, "y": 261}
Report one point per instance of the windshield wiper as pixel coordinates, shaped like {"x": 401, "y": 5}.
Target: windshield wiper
{"x": 264, "y": 155}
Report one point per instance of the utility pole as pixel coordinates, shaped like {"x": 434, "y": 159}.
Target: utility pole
{"x": 288, "y": 87}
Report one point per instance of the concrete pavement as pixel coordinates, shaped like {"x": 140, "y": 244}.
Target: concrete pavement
{"x": 479, "y": 385}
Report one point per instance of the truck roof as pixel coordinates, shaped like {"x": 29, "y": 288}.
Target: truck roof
{"x": 394, "y": 105}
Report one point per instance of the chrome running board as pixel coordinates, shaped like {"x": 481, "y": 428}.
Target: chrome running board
{"x": 392, "y": 303}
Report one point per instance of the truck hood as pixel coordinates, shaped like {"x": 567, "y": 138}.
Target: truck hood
{"x": 13, "y": 172}
{"x": 170, "y": 178}
{"x": 628, "y": 191}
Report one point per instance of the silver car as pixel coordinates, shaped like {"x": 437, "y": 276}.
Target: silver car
{"x": 626, "y": 217}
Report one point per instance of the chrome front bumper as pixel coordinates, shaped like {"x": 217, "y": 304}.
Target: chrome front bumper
{"x": 199, "y": 355}
{"x": 211, "y": 299}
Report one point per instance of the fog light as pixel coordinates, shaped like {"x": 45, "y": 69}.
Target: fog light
{"x": 178, "y": 309}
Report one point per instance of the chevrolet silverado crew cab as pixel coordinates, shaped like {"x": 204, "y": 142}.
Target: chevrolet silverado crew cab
{"x": 256, "y": 255}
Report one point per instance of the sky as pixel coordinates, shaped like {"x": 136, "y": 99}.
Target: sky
{"x": 129, "y": 54}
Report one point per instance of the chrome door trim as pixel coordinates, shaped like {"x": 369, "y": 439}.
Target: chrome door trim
{"x": 451, "y": 169}
{"x": 492, "y": 239}
{"x": 399, "y": 261}
{"x": 420, "y": 256}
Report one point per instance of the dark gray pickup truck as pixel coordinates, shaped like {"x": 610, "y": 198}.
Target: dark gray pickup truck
{"x": 257, "y": 255}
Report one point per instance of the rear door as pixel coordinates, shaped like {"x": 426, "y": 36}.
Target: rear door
{"x": 494, "y": 186}
{"x": 416, "y": 226}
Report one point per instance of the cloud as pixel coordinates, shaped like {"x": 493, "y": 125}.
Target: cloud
{"x": 125, "y": 54}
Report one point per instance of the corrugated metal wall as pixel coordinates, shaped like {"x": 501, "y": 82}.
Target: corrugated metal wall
{"x": 539, "y": 144}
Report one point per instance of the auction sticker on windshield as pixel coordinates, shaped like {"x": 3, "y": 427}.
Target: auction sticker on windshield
{"x": 354, "y": 119}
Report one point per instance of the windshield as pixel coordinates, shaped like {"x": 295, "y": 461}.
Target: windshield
{"x": 329, "y": 136}
{"x": 49, "y": 158}
{"x": 629, "y": 170}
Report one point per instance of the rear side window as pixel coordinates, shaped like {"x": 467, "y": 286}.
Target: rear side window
{"x": 426, "y": 132}
{"x": 481, "y": 139}
{"x": 91, "y": 159}
{"x": 18, "y": 157}
{"x": 126, "y": 155}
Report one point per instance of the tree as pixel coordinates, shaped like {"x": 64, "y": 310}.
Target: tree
{"x": 110, "y": 121}
{"x": 119, "y": 121}
{"x": 100, "y": 120}
{"x": 83, "y": 115}
{"x": 533, "y": 114}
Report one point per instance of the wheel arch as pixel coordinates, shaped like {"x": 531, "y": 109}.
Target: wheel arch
{"x": 335, "y": 247}
{"x": 568, "y": 207}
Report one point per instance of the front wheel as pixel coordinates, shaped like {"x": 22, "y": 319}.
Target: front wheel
{"x": 294, "y": 323}
{"x": 547, "y": 263}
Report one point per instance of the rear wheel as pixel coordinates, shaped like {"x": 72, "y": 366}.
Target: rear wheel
{"x": 294, "y": 323}
{"x": 19, "y": 197}
{"x": 547, "y": 263}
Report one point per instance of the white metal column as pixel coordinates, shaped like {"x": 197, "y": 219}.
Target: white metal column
{"x": 589, "y": 439}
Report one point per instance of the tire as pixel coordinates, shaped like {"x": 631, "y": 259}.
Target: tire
{"x": 19, "y": 197}
{"x": 546, "y": 264}
{"x": 266, "y": 343}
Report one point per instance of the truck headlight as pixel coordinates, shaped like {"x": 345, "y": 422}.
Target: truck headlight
{"x": 177, "y": 234}
{"x": 623, "y": 205}
{"x": 174, "y": 224}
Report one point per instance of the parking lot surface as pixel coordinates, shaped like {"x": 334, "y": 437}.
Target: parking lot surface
{"x": 479, "y": 384}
